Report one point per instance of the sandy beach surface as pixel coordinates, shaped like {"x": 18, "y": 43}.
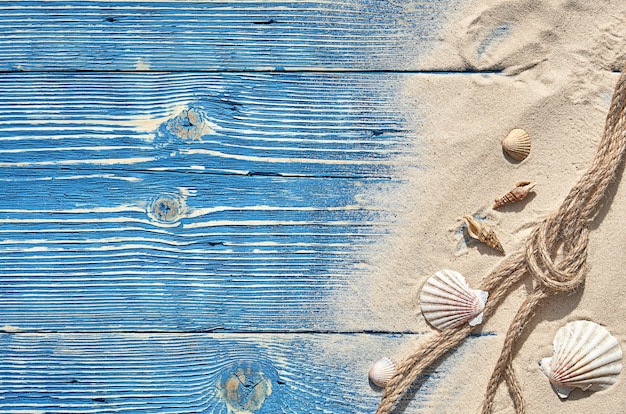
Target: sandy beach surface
{"x": 550, "y": 67}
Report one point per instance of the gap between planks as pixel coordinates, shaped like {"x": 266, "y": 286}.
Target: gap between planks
{"x": 494, "y": 71}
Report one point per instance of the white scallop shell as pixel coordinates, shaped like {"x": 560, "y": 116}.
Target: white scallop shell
{"x": 585, "y": 356}
{"x": 382, "y": 371}
{"x": 447, "y": 301}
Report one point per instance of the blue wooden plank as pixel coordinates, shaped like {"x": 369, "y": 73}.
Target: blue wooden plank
{"x": 204, "y": 200}
{"x": 291, "y": 124}
{"x": 118, "y": 215}
{"x": 242, "y": 253}
{"x": 219, "y": 35}
{"x": 208, "y": 373}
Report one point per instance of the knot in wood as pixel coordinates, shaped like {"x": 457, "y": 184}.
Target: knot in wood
{"x": 245, "y": 386}
{"x": 167, "y": 208}
{"x": 190, "y": 125}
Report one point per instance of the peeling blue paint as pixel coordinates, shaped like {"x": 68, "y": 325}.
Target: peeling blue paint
{"x": 498, "y": 34}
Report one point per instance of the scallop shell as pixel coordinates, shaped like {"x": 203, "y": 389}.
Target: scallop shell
{"x": 517, "y": 144}
{"x": 382, "y": 371}
{"x": 521, "y": 190}
{"x": 448, "y": 301}
{"x": 585, "y": 356}
{"x": 482, "y": 232}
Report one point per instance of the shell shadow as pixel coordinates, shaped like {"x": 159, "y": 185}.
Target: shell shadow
{"x": 482, "y": 248}
{"x": 576, "y": 394}
{"x": 512, "y": 160}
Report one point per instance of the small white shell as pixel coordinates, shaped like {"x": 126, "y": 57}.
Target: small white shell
{"x": 447, "y": 301}
{"x": 517, "y": 144}
{"x": 585, "y": 356}
{"x": 382, "y": 371}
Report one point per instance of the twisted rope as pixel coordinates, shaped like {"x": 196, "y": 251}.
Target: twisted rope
{"x": 555, "y": 256}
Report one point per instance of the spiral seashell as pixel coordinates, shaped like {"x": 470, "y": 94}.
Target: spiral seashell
{"x": 585, "y": 356}
{"x": 517, "y": 144}
{"x": 448, "y": 301}
{"x": 482, "y": 232}
{"x": 381, "y": 372}
{"x": 521, "y": 190}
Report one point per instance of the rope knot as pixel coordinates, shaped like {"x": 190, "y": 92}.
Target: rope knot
{"x": 568, "y": 273}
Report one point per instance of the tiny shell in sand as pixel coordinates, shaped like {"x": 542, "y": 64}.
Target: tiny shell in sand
{"x": 382, "y": 371}
{"x": 482, "y": 232}
{"x": 521, "y": 190}
{"x": 585, "y": 355}
{"x": 517, "y": 144}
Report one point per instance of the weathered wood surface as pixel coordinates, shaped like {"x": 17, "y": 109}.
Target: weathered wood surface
{"x": 312, "y": 125}
{"x": 194, "y": 373}
{"x": 112, "y": 221}
{"x": 196, "y": 215}
{"x": 218, "y": 35}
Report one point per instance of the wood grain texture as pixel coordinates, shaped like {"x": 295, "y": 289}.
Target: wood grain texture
{"x": 198, "y": 373}
{"x": 194, "y": 202}
{"x": 260, "y": 253}
{"x": 180, "y": 215}
{"x": 218, "y": 35}
{"x": 292, "y": 124}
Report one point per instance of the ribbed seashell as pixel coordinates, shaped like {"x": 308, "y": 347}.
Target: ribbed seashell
{"x": 585, "y": 356}
{"x": 382, "y": 371}
{"x": 447, "y": 301}
{"x": 517, "y": 144}
{"x": 521, "y": 190}
{"x": 482, "y": 232}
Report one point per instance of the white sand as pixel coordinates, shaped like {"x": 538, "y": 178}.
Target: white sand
{"x": 559, "y": 60}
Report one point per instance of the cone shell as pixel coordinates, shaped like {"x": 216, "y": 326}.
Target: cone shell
{"x": 517, "y": 144}
{"x": 382, "y": 371}
{"x": 482, "y": 232}
{"x": 521, "y": 190}
{"x": 585, "y": 356}
{"x": 447, "y": 301}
